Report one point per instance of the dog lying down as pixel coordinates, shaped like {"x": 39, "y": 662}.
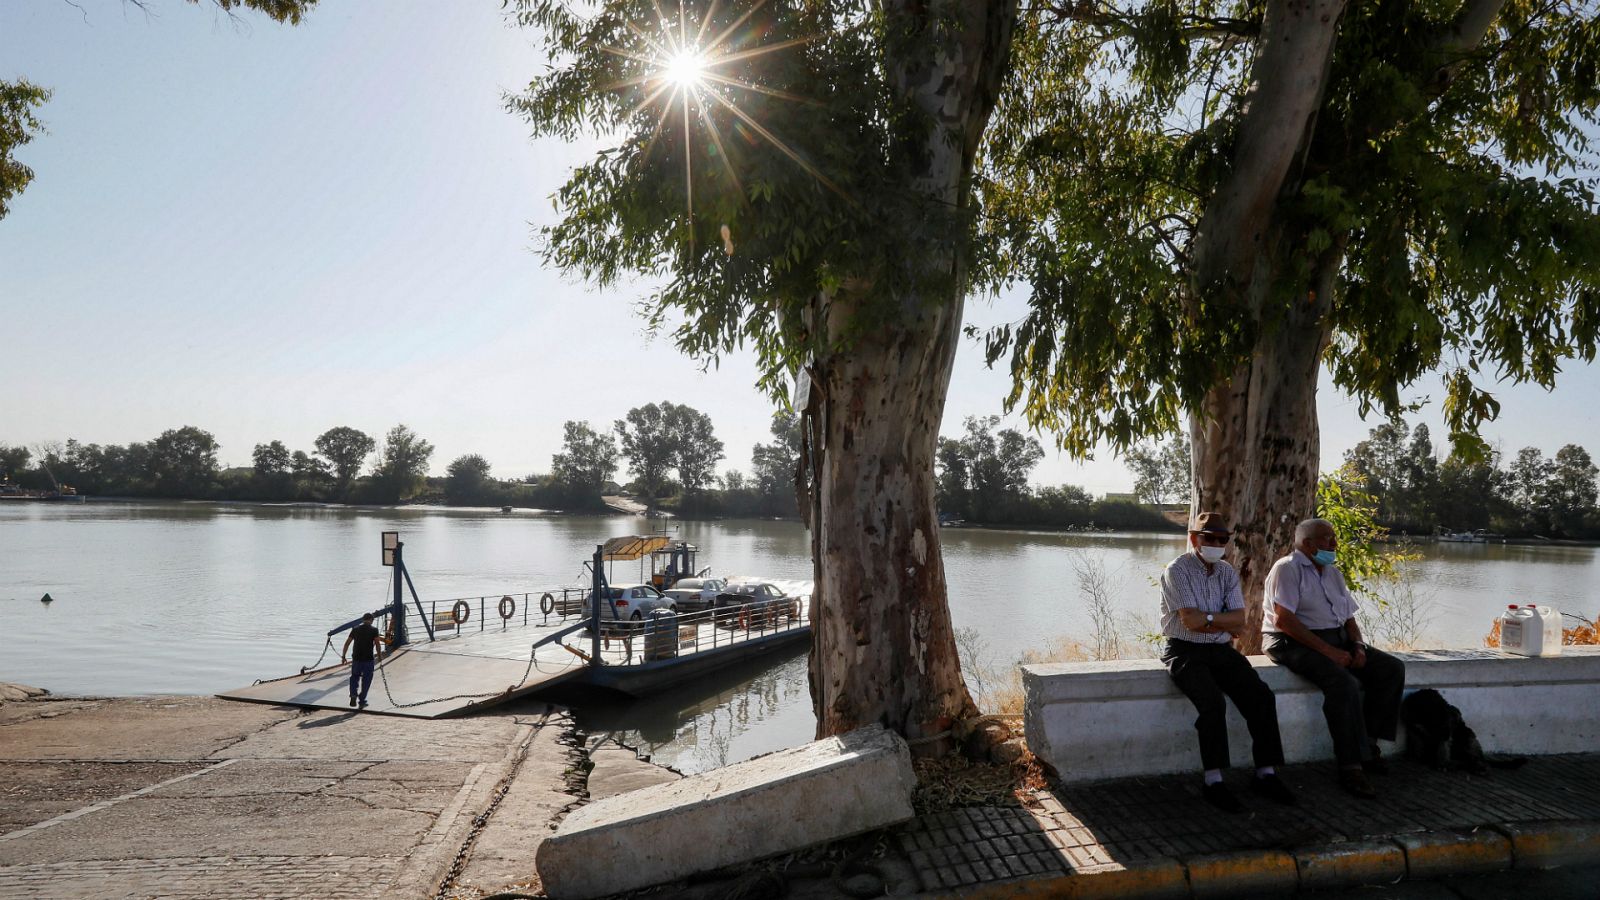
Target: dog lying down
{"x": 1436, "y": 735}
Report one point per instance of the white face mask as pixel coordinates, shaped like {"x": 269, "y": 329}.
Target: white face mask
{"x": 1211, "y": 554}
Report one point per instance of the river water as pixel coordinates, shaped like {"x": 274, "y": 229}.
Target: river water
{"x": 193, "y": 598}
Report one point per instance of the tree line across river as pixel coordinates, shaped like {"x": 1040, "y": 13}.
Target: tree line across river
{"x": 1414, "y": 491}
{"x": 671, "y": 451}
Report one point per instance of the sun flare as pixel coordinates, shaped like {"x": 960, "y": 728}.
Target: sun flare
{"x": 686, "y": 69}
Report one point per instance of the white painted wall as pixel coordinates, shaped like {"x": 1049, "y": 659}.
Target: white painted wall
{"x": 1115, "y": 719}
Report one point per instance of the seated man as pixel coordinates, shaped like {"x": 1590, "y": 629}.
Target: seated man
{"x": 1200, "y": 605}
{"x": 1310, "y": 628}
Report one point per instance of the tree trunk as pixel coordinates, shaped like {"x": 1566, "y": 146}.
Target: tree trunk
{"x": 883, "y": 649}
{"x": 1256, "y": 441}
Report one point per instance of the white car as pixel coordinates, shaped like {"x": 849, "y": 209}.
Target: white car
{"x": 631, "y": 601}
{"x": 695, "y": 594}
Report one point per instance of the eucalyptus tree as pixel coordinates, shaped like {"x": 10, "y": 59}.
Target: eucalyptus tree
{"x": 20, "y": 100}
{"x": 796, "y": 177}
{"x": 1210, "y": 201}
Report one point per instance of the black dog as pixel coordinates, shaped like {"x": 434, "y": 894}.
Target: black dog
{"x": 1437, "y": 736}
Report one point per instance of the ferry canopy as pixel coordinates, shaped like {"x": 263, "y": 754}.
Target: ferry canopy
{"x": 634, "y": 546}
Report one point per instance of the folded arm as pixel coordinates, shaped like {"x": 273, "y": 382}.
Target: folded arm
{"x": 1290, "y": 624}
{"x": 1194, "y": 619}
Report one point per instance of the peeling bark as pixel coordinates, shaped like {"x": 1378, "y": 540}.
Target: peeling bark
{"x": 883, "y": 648}
{"x": 1255, "y": 439}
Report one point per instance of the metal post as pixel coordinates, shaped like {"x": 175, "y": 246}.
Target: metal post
{"x": 397, "y": 614}
{"x": 594, "y": 600}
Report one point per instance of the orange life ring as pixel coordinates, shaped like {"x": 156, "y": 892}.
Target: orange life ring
{"x": 508, "y": 607}
{"x": 461, "y": 612}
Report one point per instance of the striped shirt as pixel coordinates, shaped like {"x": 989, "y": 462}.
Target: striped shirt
{"x": 1318, "y": 599}
{"x": 1187, "y": 585}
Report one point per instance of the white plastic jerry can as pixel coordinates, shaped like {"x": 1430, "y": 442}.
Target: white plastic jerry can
{"x": 1530, "y": 630}
{"x": 1549, "y": 625}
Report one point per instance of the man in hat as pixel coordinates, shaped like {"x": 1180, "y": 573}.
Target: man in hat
{"x": 1202, "y": 608}
{"x": 1309, "y": 627}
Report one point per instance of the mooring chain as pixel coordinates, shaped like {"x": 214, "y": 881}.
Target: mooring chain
{"x": 481, "y": 820}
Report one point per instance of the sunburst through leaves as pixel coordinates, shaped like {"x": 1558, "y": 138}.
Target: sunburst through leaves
{"x": 688, "y": 74}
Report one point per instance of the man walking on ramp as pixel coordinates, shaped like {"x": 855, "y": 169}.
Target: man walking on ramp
{"x": 365, "y": 638}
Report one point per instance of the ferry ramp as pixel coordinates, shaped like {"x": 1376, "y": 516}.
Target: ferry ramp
{"x": 432, "y": 680}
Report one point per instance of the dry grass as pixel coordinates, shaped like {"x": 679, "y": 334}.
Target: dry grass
{"x": 953, "y": 782}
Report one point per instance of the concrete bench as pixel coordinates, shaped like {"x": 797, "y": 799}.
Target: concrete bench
{"x": 778, "y": 803}
{"x": 1095, "y": 720}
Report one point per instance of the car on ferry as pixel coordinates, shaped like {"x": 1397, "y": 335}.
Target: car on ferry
{"x": 695, "y": 594}
{"x": 632, "y": 602}
{"x": 756, "y": 602}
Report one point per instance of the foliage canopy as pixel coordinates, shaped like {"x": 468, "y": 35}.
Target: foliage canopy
{"x": 1451, "y": 183}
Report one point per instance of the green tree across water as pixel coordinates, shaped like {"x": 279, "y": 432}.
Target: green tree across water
{"x": 346, "y": 450}
{"x": 467, "y": 482}
{"x": 402, "y": 464}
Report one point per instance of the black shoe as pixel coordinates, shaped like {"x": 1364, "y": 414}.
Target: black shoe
{"x": 1377, "y": 765}
{"x": 1219, "y": 796}
{"x": 1354, "y": 781}
{"x": 363, "y": 704}
{"x": 352, "y": 701}
{"x": 1273, "y": 788}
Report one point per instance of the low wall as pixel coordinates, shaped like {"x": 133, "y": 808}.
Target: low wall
{"x": 1095, "y": 720}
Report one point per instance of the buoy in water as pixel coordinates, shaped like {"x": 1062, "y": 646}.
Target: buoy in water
{"x": 46, "y": 598}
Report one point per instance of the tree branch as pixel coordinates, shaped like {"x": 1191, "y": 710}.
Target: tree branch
{"x": 1288, "y": 81}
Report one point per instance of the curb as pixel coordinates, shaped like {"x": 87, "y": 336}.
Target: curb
{"x": 1548, "y": 845}
{"x": 1243, "y": 872}
{"x": 1418, "y": 856}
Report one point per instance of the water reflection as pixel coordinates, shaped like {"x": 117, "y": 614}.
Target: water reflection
{"x": 728, "y": 716}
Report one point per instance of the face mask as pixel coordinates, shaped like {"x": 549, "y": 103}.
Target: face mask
{"x": 1325, "y": 557}
{"x": 1211, "y": 554}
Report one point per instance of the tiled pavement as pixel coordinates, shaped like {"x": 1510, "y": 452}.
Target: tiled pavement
{"x": 1085, "y": 830}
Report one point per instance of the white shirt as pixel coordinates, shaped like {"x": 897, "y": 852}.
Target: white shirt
{"x": 1187, "y": 585}
{"x": 1318, "y": 599}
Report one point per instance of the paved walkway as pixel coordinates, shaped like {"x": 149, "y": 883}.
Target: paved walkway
{"x": 191, "y": 797}
{"x": 199, "y": 798}
{"x": 1443, "y": 835}
{"x": 1155, "y": 836}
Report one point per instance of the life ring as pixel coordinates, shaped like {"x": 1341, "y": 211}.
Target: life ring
{"x": 547, "y": 604}
{"x": 461, "y": 612}
{"x": 508, "y": 607}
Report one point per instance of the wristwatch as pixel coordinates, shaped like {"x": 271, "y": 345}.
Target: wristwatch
{"x": 1209, "y": 620}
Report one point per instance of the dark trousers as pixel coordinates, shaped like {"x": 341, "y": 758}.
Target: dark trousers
{"x": 1360, "y": 705}
{"x": 1207, "y": 672}
{"x": 360, "y": 676}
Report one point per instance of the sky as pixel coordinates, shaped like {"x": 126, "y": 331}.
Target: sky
{"x": 268, "y": 231}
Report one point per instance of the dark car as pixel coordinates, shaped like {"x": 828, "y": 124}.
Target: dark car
{"x": 755, "y": 604}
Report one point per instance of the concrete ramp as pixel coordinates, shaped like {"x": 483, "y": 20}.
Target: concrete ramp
{"x": 778, "y": 803}
{"x": 422, "y": 683}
